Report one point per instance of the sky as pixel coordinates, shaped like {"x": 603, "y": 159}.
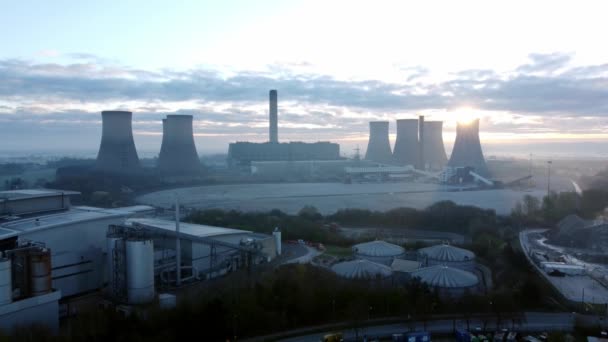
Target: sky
{"x": 534, "y": 72}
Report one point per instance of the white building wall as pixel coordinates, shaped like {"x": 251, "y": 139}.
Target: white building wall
{"x": 42, "y": 310}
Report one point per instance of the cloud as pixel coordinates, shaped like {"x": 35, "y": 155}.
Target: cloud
{"x": 545, "y": 94}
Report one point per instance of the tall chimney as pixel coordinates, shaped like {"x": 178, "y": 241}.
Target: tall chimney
{"x": 421, "y": 141}
{"x": 178, "y": 154}
{"x": 467, "y": 148}
{"x": 117, "y": 153}
{"x": 274, "y": 130}
{"x": 379, "y": 147}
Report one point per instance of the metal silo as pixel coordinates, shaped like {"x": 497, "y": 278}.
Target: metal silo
{"x": 140, "y": 270}
{"x": 40, "y": 272}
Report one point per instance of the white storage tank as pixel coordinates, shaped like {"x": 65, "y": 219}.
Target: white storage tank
{"x": 277, "y": 240}
{"x": 447, "y": 280}
{"x": 378, "y": 251}
{"x": 40, "y": 272}
{"x": 6, "y": 285}
{"x": 140, "y": 270}
{"x": 447, "y": 255}
{"x": 361, "y": 269}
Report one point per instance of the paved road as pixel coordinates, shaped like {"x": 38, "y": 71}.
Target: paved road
{"x": 532, "y": 322}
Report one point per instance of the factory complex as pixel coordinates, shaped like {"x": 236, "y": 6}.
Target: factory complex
{"x": 53, "y": 252}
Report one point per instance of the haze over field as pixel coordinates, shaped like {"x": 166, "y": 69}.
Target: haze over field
{"x": 537, "y": 88}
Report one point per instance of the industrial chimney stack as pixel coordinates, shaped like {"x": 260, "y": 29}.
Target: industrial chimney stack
{"x": 379, "y": 147}
{"x": 433, "y": 149}
{"x": 467, "y": 148}
{"x": 406, "y": 145}
{"x": 117, "y": 153}
{"x": 274, "y": 130}
{"x": 178, "y": 154}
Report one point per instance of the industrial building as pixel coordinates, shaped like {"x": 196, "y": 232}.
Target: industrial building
{"x": 467, "y": 150}
{"x": 84, "y": 249}
{"x": 448, "y": 281}
{"x": 178, "y": 156}
{"x": 378, "y": 251}
{"x": 379, "y": 146}
{"x": 306, "y": 169}
{"x": 242, "y": 154}
{"x": 361, "y": 269}
{"x": 117, "y": 153}
{"x": 447, "y": 255}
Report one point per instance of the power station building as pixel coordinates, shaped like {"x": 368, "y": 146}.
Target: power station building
{"x": 178, "y": 154}
{"x": 117, "y": 153}
{"x": 467, "y": 148}
{"x": 244, "y": 153}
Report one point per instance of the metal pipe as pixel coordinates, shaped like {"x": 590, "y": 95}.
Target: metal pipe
{"x": 178, "y": 247}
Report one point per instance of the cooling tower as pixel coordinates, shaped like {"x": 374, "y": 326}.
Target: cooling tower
{"x": 273, "y": 117}
{"x": 467, "y": 148}
{"x": 117, "y": 153}
{"x": 434, "y": 151}
{"x": 406, "y": 145}
{"x": 178, "y": 154}
{"x": 379, "y": 147}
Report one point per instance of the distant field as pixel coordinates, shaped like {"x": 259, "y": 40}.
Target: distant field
{"x": 330, "y": 197}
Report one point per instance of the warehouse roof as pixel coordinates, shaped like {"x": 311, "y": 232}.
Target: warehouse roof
{"x": 378, "y": 249}
{"x": 361, "y": 269}
{"x": 34, "y": 193}
{"x": 446, "y": 252}
{"x": 444, "y": 276}
{"x": 197, "y": 230}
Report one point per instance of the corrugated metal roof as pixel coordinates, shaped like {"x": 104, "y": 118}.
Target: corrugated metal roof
{"x": 361, "y": 269}
{"x": 187, "y": 228}
{"x": 447, "y": 253}
{"x": 443, "y": 276}
{"x": 378, "y": 249}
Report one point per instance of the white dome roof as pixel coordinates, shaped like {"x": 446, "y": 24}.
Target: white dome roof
{"x": 361, "y": 268}
{"x": 443, "y": 276}
{"x": 447, "y": 253}
{"x": 378, "y": 249}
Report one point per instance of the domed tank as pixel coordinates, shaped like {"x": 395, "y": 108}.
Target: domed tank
{"x": 378, "y": 251}
{"x": 361, "y": 269}
{"x": 447, "y": 280}
{"x": 447, "y": 255}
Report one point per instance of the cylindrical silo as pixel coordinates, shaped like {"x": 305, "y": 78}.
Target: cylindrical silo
{"x": 434, "y": 150}
{"x": 379, "y": 146}
{"x": 406, "y": 145}
{"x": 378, "y": 251}
{"x": 178, "y": 154}
{"x": 273, "y": 118}
{"x": 277, "y": 240}
{"x": 6, "y": 283}
{"x": 117, "y": 153}
{"x": 140, "y": 270}
{"x": 467, "y": 148}
{"x": 40, "y": 271}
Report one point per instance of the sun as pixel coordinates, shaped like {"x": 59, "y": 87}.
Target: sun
{"x": 465, "y": 115}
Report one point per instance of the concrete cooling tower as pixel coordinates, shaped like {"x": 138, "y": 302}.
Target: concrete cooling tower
{"x": 273, "y": 117}
{"x": 379, "y": 147}
{"x": 433, "y": 149}
{"x": 178, "y": 154}
{"x": 467, "y": 148}
{"x": 117, "y": 153}
{"x": 406, "y": 145}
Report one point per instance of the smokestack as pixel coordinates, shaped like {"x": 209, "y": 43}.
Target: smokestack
{"x": 467, "y": 148}
{"x": 434, "y": 151}
{"x": 379, "y": 147}
{"x": 178, "y": 154}
{"x": 117, "y": 153}
{"x": 274, "y": 130}
{"x": 406, "y": 145}
{"x": 421, "y": 143}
